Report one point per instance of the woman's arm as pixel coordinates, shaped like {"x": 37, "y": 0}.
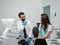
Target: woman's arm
{"x": 46, "y": 35}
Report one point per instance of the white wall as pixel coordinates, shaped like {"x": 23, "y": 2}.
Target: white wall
{"x": 54, "y": 8}
{"x": 11, "y": 8}
{"x": 46, "y": 2}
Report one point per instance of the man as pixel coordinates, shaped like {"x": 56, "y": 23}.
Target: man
{"x": 24, "y": 27}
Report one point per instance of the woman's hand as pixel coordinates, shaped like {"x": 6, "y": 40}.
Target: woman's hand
{"x": 39, "y": 37}
{"x": 45, "y": 36}
{"x": 33, "y": 39}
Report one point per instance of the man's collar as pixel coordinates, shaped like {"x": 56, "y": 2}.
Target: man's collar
{"x": 21, "y": 20}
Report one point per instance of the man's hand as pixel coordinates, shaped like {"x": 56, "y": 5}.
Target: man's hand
{"x": 28, "y": 39}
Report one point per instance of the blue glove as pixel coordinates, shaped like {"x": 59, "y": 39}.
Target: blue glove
{"x": 28, "y": 39}
{"x": 41, "y": 31}
{"x": 25, "y": 23}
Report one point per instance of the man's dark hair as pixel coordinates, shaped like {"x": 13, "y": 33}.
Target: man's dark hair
{"x": 20, "y": 13}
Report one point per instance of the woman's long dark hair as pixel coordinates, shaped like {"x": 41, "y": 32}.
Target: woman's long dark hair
{"x": 45, "y": 20}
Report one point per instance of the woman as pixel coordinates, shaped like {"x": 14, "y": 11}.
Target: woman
{"x": 44, "y": 30}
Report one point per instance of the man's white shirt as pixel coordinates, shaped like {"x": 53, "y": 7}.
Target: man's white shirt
{"x": 28, "y": 28}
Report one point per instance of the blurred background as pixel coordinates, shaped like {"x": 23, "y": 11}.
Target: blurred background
{"x": 32, "y": 10}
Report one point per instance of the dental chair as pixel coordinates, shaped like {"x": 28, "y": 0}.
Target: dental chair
{"x": 9, "y": 35}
